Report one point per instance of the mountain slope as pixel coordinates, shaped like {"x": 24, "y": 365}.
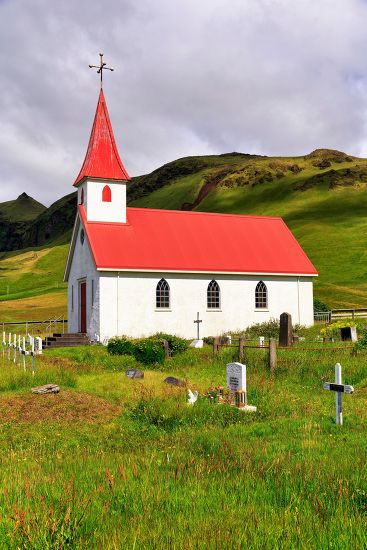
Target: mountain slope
{"x": 321, "y": 196}
{"x": 24, "y": 208}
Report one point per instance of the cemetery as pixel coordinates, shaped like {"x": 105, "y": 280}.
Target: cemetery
{"x": 109, "y": 446}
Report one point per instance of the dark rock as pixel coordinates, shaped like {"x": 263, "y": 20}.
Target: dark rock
{"x": 172, "y": 381}
{"x": 134, "y": 373}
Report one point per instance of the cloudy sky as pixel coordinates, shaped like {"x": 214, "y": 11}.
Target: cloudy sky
{"x": 277, "y": 77}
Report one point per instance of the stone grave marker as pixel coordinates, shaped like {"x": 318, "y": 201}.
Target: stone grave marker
{"x": 285, "y": 330}
{"x": 134, "y": 373}
{"x": 236, "y": 383}
{"x": 349, "y": 333}
{"x": 38, "y": 345}
{"x": 236, "y": 376}
{"x": 172, "y": 381}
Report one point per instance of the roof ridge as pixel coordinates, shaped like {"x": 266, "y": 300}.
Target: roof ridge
{"x": 165, "y": 210}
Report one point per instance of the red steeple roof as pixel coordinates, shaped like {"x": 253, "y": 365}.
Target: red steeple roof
{"x": 102, "y": 159}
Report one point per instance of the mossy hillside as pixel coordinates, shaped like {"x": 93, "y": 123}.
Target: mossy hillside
{"x": 24, "y": 208}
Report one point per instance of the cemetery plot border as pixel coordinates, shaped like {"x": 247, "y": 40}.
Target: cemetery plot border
{"x": 19, "y": 348}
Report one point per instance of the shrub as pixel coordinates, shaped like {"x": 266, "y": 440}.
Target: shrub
{"x": 362, "y": 343}
{"x": 334, "y": 328}
{"x": 175, "y": 343}
{"x": 120, "y": 346}
{"x": 318, "y": 305}
{"x": 269, "y": 329}
{"x": 149, "y": 351}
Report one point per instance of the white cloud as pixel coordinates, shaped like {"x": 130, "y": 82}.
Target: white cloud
{"x": 267, "y": 76}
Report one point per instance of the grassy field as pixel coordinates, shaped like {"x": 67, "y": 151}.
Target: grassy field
{"x": 117, "y": 463}
{"x": 31, "y": 284}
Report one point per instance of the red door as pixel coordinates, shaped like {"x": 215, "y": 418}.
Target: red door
{"x": 83, "y": 307}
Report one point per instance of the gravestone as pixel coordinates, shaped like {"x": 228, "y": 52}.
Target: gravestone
{"x": 285, "y": 330}
{"x": 166, "y": 348}
{"x": 38, "y": 345}
{"x": 236, "y": 383}
{"x": 349, "y": 333}
{"x": 134, "y": 373}
{"x": 197, "y": 344}
{"x": 236, "y": 376}
{"x": 172, "y": 381}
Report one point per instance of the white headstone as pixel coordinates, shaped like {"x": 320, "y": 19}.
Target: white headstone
{"x": 197, "y": 344}
{"x": 261, "y": 341}
{"x": 38, "y": 345}
{"x": 236, "y": 376}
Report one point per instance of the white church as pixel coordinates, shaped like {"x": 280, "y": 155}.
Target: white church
{"x": 138, "y": 271}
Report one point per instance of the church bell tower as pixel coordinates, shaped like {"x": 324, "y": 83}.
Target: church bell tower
{"x": 102, "y": 179}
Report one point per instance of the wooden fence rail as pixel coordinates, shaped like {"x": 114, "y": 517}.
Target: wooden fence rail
{"x": 336, "y": 314}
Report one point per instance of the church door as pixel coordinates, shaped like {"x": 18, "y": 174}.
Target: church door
{"x": 83, "y": 306}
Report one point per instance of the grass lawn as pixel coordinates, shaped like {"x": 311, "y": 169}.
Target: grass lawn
{"x": 117, "y": 463}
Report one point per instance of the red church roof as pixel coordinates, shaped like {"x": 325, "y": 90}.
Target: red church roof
{"x": 169, "y": 240}
{"x": 102, "y": 159}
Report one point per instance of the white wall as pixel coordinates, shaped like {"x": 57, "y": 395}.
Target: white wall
{"x": 127, "y": 302}
{"x": 83, "y": 269}
{"x": 99, "y": 211}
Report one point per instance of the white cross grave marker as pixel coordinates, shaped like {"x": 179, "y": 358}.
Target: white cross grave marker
{"x": 339, "y": 388}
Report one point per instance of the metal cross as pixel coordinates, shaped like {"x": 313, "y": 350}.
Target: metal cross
{"x": 198, "y": 325}
{"x": 101, "y": 67}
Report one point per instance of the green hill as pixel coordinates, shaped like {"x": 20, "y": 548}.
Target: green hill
{"x": 322, "y": 197}
{"x": 24, "y": 208}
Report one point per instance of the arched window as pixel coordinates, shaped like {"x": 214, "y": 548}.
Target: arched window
{"x": 106, "y": 194}
{"x": 81, "y": 197}
{"x": 213, "y": 295}
{"x": 162, "y": 294}
{"x": 261, "y": 296}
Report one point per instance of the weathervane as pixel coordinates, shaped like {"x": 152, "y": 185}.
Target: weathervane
{"x": 101, "y": 67}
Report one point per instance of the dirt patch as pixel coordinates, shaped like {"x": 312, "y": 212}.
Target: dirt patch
{"x": 66, "y": 406}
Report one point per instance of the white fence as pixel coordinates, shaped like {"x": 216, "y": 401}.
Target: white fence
{"x": 16, "y": 348}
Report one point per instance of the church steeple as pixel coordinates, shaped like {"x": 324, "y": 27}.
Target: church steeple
{"x": 102, "y": 179}
{"x": 102, "y": 160}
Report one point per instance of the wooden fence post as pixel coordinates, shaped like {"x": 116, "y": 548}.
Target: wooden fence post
{"x": 272, "y": 354}
{"x": 241, "y": 345}
{"x": 215, "y": 345}
{"x": 166, "y": 348}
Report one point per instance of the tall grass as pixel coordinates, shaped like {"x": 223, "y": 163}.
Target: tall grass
{"x": 161, "y": 474}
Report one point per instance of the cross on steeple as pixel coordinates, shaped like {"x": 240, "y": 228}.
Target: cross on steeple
{"x": 101, "y": 67}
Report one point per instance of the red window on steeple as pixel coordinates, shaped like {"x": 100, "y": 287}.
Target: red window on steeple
{"x": 106, "y": 194}
{"x": 81, "y": 197}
